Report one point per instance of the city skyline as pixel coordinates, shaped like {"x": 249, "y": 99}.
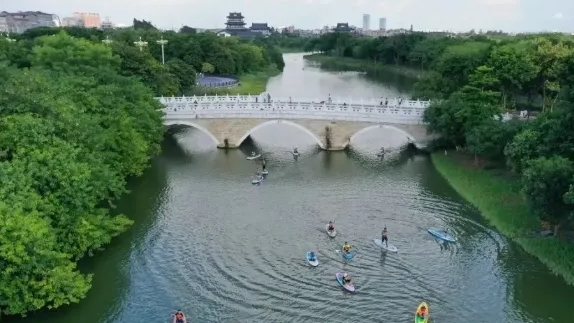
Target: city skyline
{"x": 461, "y": 15}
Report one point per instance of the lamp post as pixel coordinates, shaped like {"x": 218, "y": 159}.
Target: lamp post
{"x": 107, "y": 41}
{"x": 162, "y": 42}
{"x": 141, "y": 44}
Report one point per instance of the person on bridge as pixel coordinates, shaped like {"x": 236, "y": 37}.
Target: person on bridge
{"x": 422, "y": 313}
{"x": 384, "y": 237}
{"x": 331, "y": 226}
{"x": 346, "y": 247}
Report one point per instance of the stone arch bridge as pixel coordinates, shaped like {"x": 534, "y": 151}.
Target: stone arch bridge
{"x": 228, "y": 121}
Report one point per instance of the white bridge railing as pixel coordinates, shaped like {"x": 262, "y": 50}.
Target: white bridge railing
{"x": 410, "y": 112}
{"x": 267, "y": 99}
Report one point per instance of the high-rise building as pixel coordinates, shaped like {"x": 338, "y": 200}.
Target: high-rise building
{"x": 91, "y": 20}
{"x": 366, "y": 22}
{"x": 383, "y": 24}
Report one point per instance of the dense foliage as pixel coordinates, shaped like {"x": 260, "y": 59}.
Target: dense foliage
{"x": 186, "y": 54}
{"x": 472, "y": 82}
{"x": 72, "y": 128}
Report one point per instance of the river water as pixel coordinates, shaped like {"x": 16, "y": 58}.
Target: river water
{"x": 208, "y": 242}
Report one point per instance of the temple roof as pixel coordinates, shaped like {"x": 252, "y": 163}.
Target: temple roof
{"x": 235, "y": 15}
{"x": 259, "y": 26}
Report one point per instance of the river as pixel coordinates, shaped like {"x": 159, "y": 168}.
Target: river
{"x": 208, "y": 242}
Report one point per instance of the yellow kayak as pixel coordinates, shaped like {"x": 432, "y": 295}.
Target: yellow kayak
{"x": 422, "y": 319}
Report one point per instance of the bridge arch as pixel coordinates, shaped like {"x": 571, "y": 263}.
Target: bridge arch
{"x": 383, "y": 126}
{"x": 291, "y": 123}
{"x": 168, "y": 123}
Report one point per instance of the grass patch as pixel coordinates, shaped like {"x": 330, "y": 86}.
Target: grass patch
{"x": 254, "y": 83}
{"x": 497, "y": 195}
{"x": 361, "y": 65}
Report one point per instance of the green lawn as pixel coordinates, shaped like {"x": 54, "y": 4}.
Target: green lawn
{"x": 497, "y": 195}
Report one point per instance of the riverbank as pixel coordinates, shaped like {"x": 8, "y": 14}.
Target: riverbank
{"x": 497, "y": 195}
{"x": 333, "y": 62}
{"x": 254, "y": 83}
{"x": 286, "y": 50}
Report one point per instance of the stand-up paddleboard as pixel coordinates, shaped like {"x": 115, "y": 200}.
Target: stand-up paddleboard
{"x": 348, "y": 255}
{"x": 296, "y": 154}
{"x": 350, "y": 287}
{"x": 312, "y": 261}
{"x": 257, "y": 181}
{"x": 253, "y": 157}
{"x": 390, "y": 248}
{"x": 331, "y": 234}
{"x": 441, "y": 234}
{"x": 265, "y": 172}
{"x": 425, "y": 319}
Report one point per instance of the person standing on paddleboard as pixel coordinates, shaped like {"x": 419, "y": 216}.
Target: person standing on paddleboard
{"x": 263, "y": 164}
{"x": 384, "y": 237}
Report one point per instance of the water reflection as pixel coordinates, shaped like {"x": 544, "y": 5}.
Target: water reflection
{"x": 302, "y": 80}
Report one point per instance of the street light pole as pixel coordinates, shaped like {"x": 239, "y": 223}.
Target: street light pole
{"x": 107, "y": 41}
{"x": 141, "y": 44}
{"x": 162, "y": 42}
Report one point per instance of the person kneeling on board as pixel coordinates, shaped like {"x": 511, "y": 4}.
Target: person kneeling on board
{"x": 346, "y": 247}
{"x": 312, "y": 256}
{"x": 422, "y": 313}
{"x": 179, "y": 317}
{"x": 331, "y": 226}
{"x": 346, "y": 278}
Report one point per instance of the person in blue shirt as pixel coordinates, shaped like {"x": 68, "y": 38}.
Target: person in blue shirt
{"x": 312, "y": 256}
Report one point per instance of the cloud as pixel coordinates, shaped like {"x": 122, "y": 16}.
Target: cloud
{"x": 558, "y": 16}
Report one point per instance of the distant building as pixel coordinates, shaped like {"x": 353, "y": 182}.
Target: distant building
{"x": 19, "y": 22}
{"x": 236, "y": 27}
{"x": 366, "y": 22}
{"x": 91, "y": 20}
{"x": 383, "y": 24}
{"x": 107, "y": 24}
{"x": 261, "y": 28}
{"x": 342, "y": 27}
{"x": 235, "y": 22}
{"x": 72, "y": 22}
{"x": 223, "y": 33}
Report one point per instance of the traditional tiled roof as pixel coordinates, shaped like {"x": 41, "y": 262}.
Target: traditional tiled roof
{"x": 259, "y": 26}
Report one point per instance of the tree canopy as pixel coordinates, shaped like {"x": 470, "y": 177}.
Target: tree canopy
{"x": 186, "y": 53}
{"x": 78, "y": 117}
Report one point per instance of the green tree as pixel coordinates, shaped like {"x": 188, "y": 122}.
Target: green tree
{"x": 207, "y": 68}
{"x": 514, "y": 67}
{"x": 545, "y": 182}
{"x": 490, "y": 138}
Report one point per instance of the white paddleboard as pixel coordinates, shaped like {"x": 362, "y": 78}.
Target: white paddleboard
{"x": 390, "y": 248}
{"x": 253, "y": 157}
{"x": 331, "y": 234}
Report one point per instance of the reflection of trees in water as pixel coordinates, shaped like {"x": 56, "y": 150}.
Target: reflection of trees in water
{"x": 393, "y": 80}
{"x": 533, "y": 289}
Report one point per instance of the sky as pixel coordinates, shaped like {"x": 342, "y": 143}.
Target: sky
{"x": 454, "y": 15}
